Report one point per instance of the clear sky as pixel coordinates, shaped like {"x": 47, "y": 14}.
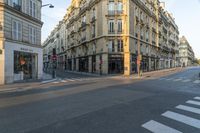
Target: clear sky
{"x": 186, "y": 13}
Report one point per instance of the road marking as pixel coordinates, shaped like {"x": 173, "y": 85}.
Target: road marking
{"x": 162, "y": 78}
{"x": 64, "y": 81}
{"x": 187, "y": 108}
{"x": 177, "y": 80}
{"x": 157, "y": 127}
{"x": 169, "y": 79}
{"x": 193, "y": 102}
{"x": 182, "y": 118}
{"x": 196, "y": 82}
{"x": 71, "y": 79}
{"x": 197, "y": 98}
{"x": 48, "y": 81}
{"x": 186, "y": 80}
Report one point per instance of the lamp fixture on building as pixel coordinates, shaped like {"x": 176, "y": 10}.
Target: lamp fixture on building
{"x": 50, "y": 5}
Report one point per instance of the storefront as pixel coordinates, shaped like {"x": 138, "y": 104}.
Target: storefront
{"x": 134, "y": 63}
{"x": 83, "y": 64}
{"x": 25, "y": 66}
{"x": 93, "y": 63}
{"x": 22, "y": 62}
{"x": 145, "y": 64}
{"x": 115, "y": 64}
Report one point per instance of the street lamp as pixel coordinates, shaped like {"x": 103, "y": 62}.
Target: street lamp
{"x": 50, "y": 5}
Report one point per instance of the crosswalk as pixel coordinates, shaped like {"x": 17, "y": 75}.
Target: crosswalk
{"x": 183, "y": 80}
{"x": 192, "y": 106}
{"x": 77, "y": 79}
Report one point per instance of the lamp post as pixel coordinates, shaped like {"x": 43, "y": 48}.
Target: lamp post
{"x": 50, "y": 5}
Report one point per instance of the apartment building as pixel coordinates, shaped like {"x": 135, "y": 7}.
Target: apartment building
{"x": 186, "y": 53}
{"x": 20, "y": 40}
{"x": 117, "y": 36}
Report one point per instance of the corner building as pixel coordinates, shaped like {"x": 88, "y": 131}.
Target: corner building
{"x": 20, "y": 40}
{"x": 108, "y": 36}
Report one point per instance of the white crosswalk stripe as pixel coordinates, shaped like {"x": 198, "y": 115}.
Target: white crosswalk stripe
{"x": 196, "y": 82}
{"x": 197, "y": 98}
{"x": 182, "y": 118}
{"x": 186, "y": 80}
{"x": 157, "y": 127}
{"x": 187, "y": 108}
{"x": 175, "y": 80}
{"x": 193, "y": 102}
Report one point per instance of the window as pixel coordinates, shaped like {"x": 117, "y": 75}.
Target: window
{"x": 120, "y": 46}
{"x": 16, "y": 30}
{"x": 111, "y": 8}
{"x": 93, "y": 30}
{"x": 32, "y": 35}
{"x": 111, "y": 26}
{"x": 119, "y": 7}
{"x": 32, "y": 8}
{"x": 16, "y": 4}
{"x": 93, "y": 13}
{"x": 111, "y": 46}
{"x": 119, "y": 24}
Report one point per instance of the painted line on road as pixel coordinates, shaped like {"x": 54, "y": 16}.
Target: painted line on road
{"x": 197, "y": 98}
{"x": 187, "y": 108}
{"x": 157, "y": 127}
{"x": 170, "y": 79}
{"x": 196, "y": 82}
{"x": 177, "y": 80}
{"x": 48, "y": 81}
{"x": 186, "y": 80}
{"x": 182, "y": 118}
{"x": 193, "y": 102}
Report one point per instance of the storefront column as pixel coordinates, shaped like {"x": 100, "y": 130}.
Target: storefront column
{"x": 72, "y": 64}
{"x": 105, "y": 64}
{"x": 77, "y": 65}
{"x": 90, "y": 64}
{"x": 127, "y": 64}
{"x": 2, "y": 61}
{"x": 149, "y": 63}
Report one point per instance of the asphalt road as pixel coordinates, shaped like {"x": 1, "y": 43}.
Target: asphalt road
{"x": 169, "y": 104}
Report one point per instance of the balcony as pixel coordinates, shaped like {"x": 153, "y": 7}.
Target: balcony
{"x": 83, "y": 39}
{"x": 17, "y": 6}
{"x": 93, "y": 19}
{"x": 111, "y": 32}
{"x": 119, "y": 12}
{"x": 136, "y": 35}
{"x": 111, "y": 12}
{"x": 93, "y": 35}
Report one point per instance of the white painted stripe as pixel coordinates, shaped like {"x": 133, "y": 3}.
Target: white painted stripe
{"x": 187, "y": 108}
{"x": 187, "y": 80}
{"x": 48, "y": 81}
{"x": 169, "y": 79}
{"x": 56, "y": 82}
{"x": 193, "y": 102}
{"x": 182, "y": 118}
{"x": 157, "y": 127}
{"x": 162, "y": 78}
{"x": 196, "y": 82}
{"x": 70, "y": 79}
{"x": 64, "y": 81}
{"x": 197, "y": 98}
{"x": 177, "y": 80}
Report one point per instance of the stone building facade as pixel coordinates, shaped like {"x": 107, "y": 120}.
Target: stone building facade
{"x": 186, "y": 53}
{"x": 20, "y": 40}
{"x": 115, "y": 36}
